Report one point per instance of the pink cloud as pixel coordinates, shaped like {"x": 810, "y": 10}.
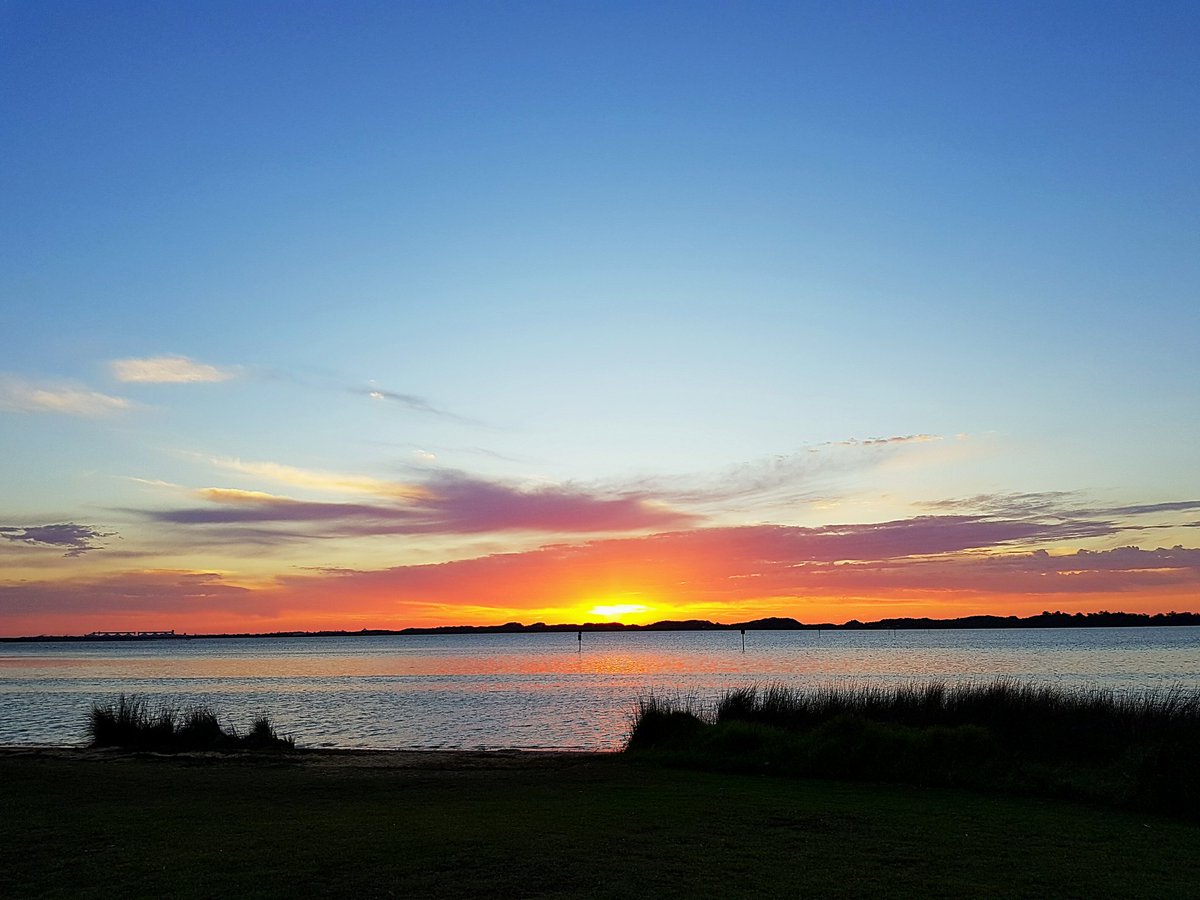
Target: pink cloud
{"x": 451, "y": 503}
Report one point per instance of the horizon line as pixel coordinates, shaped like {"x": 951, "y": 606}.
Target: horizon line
{"x": 766, "y": 623}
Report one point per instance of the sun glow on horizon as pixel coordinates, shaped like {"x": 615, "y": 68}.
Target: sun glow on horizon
{"x": 619, "y": 610}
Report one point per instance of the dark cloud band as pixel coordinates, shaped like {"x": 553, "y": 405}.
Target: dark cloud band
{"x": 74, "y": 539}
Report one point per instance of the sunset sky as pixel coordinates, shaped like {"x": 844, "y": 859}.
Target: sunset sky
{"x": 346, "y": 315}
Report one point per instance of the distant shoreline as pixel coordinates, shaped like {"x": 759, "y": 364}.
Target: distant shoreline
{"x": 1042, "y": 620}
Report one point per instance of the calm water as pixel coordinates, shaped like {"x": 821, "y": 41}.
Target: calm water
{"x": 537, "y": 690}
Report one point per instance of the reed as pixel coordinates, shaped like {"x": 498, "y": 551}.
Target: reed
{"x": 660, "y": 718}
{"x": 1131, "y": 749}
{"x": 130, "y": 723}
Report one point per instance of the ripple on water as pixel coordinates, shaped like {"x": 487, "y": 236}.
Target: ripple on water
{"x": 536, "y": 691}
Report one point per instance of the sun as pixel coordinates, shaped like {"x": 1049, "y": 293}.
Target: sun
{"x": 618, "y": 610}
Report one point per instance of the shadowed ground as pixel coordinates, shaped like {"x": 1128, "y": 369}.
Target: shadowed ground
{"x": 91, "y": 823}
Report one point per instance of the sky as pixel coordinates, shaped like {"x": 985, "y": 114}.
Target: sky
{"x": 374, "y": 315}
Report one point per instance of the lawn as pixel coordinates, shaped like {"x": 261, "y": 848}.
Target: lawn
{"x": 465, "y": 825}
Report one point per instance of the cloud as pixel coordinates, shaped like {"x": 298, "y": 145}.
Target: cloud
{"x": 240, "y": 507}
{"x": 64, "y": 399}
{"x": 1061, "y": 504}
{"x": 454, "y": 503}
{"x": 917, "y": 537}
{"x": 774, "y": 481}
{"x": 781, "y": 479}
{"x": 1090, "y": 572}
{"x": 317, "y": 479}
{"x": 345, "y": 384}
{"x": 816, "y": 574}
{"x": 1152, "y": 508}
{"x": 777, "y": 479}
{"x": 411, "y": 402}
{"x": 449, "y": 503}
{"x": 885, "y": 441}
{"x": 167, "y": 370}
{"x": 76, "y": 539}
{"x": 466, "y": 504}
{"x": 1012, "y": 502}
{"x": 1119, "y": 559}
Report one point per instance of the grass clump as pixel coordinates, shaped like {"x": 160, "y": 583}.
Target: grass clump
{"x": 130, "y": 723}
{"x": 1130, "y": 750}
{"x": 660, "y": 720}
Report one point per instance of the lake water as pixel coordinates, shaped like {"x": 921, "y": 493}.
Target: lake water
{"x": 537, "y": 691}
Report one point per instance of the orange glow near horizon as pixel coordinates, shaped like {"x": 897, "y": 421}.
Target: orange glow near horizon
{"x": 296, "y": 611}
{"x": 620, "y": 612}
{"x": 719, "y": 575}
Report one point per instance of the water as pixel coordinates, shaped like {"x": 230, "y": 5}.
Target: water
{"x": 537, "y": 691}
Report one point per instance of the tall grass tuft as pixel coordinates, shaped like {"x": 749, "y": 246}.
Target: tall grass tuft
{"x": 262, "y": 736}
{"x": 1133, "y": 749}
{"x": 130, "y": 723}
{"x": 658, "y": 718}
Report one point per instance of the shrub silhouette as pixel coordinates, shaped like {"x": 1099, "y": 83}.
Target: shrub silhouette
{"x": 661, "y": 719}
{"x": 131, "y": 724}
{"x": 1128, "y": 749}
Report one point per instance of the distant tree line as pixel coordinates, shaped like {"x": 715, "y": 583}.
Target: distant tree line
{"x": 1103, "y": 619}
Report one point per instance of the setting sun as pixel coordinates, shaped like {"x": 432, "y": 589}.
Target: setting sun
{"x": 618, "y": 610}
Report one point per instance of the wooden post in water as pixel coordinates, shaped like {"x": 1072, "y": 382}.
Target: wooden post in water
{"x": 743, "y": 640}
{"x": 579, "y": 638}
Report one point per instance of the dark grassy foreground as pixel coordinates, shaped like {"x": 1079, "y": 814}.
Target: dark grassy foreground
{"x": 130, "y": 723}
{"x": 1138, "y": 752}
{"x": 463, "y": 825}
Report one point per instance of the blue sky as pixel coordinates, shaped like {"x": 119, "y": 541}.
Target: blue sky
{"x": 591, "y": 248}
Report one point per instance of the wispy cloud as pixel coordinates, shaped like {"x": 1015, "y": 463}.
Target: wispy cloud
{"x": 370, "y": 390}
{"x": 316, "y": 479}
{"x": 886, "y": 441}
{"x": 785, "y": 478}
{"x": 167, "y": 370}
{"x": 1061, "y": 504}
{"x": 74, "y": 539}
{"x": 410, "y": 402}
{"x": 65, "y": 399}
{"x": 413, "y": 402}
{"x": 1009, "y": 504}
{"x": 448, "y": 501}
{"x": 1155, "y": 508}
{"x": 451, "y": 503}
